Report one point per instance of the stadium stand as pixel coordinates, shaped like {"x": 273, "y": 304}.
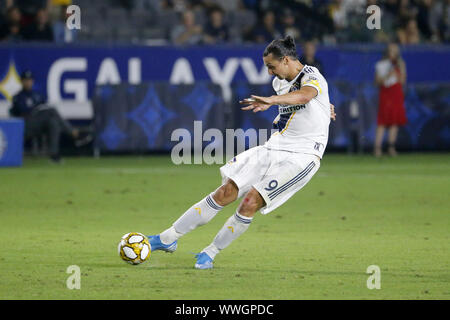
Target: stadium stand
{"x": 325, "y": 21}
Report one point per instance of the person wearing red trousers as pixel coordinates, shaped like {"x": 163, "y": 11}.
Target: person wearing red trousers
{"x": 390, "y": 77}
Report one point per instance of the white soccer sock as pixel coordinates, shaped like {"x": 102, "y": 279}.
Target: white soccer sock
{"x": 197, "y": 215}
{"x": 236, "y": 225}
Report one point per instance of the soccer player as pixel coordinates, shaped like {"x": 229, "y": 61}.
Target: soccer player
{"x": 265, "y": 176}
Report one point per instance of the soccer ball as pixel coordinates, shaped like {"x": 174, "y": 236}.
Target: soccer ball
{"x": 134, "y": 248}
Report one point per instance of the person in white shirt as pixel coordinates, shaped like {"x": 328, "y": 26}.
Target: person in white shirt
{"x": 390, "y": 77}
{"x": 265, "y": 176}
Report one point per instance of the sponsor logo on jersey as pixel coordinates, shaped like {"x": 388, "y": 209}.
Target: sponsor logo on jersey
{"x": 310, "y": 78}
{"x": 317, "y": 146}
{"x": 289, "y": 109}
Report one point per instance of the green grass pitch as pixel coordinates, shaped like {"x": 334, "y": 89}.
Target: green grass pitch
{"x": 356, "y": 212}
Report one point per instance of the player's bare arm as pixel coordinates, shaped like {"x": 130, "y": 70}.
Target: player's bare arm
{"x": 257, "y": 103}
{"x": 302, "y": 96}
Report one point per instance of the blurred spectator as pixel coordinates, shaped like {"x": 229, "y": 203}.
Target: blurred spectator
{"x": 180, "y": 5}
{"x": 358, "y": 32}
{"x": 157, "y": 5}
{"x": 126, "y": 4}
{"x": 314, "y": 19}
{"x": 30, "y": 8}
{"x": 142, "y": 4}
{"x": 177, "y": 6}
{"x": 289, "y": 25}
{"x": 431, "y": 17}
{"x": 360, "y": 6}
{"x": 423, "y": 18}
{"x": 242, "y": 21}
{"x": 228, "y": 5}
{"x": 440, "y": 20}
{"x": 268, "y": 31}
{"x": 55, "y": 8}
{"x": 40, "y": 29}
{"x": 251, "y": 4}
{"x": 409, "y": 33}
{"x": 41, "y": 118}
{"x": 329, "y": 21}
{"x": 391, "y": 6}
{"x": 61, "y": 33}
{"x": 388, "y": 21}
{"x": 390, "y": 77}
{"x": 216, "y": 31}
{"x": 61, "y": 2}
{"x": 5, "y": 5}
{"x": 406, "y": 10}
{"x": 10, "y": 30}
{"x": 338, "y": 12}
{"x": 309, "y": 56}
{"x": 189, "y": 32}
{"x": 445, "y": 26}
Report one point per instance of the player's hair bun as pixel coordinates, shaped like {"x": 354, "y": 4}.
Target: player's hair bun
{"x": 289, "y": 42}
{"x": 281, "y": 48}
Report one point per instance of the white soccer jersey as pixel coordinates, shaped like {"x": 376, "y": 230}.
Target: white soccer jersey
{"x": 302, "y": 128}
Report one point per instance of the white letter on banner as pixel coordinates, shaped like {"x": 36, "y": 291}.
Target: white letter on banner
{"x": 182, "y": 72}
{"x": 76, "y": 87}
{"x": 252, "y": 74}
{"x": 134, "y": 71}
{"x": 108, "y": 72}
{"x": 222, "y": 77}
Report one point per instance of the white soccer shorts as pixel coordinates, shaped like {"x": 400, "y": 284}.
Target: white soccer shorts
{"x": 276, "y": 175}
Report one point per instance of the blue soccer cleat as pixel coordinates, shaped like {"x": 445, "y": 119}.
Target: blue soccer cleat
{"x": 203, "y": 261}
{"x": 156, "y": 244}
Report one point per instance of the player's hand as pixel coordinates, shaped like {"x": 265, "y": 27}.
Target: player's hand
{"x": 333, "y": 114}
{"x": 256, "y": 103}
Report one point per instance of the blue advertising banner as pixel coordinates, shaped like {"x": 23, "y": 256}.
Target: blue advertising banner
{"x": 72, "y": 72}
{"x": 144, "y": 117}
{"x": 11, "y": 142}
{"x": 427, "y": 111}
{"x": 68, "y": 76}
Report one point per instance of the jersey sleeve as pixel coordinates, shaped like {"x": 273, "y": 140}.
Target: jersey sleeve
{"x": 312, "y": 80}
{"x": 276, "y": 84}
